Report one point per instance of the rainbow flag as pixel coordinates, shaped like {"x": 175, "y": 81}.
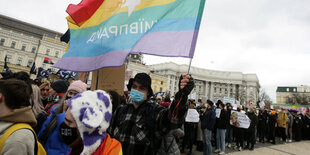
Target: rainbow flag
{"x": 104, "y": 32}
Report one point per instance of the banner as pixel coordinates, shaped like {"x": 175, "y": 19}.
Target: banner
{"x": 44, "y": 73}
{"x": 104, "y": 32}
{"x": 239, "y": 119}
{"x": 192, "y": 116}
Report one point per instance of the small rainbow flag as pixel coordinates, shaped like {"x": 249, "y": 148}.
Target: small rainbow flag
{"x": 104, "y": 32}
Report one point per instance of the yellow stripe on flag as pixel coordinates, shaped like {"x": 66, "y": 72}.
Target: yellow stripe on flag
{"x": 112, "y": 7}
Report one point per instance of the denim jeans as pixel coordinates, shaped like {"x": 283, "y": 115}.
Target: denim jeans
{"x": 220, "y": 139}
{"x": 207, "y": 146}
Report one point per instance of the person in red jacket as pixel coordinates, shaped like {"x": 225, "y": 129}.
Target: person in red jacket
{"x": 86, "y": 122}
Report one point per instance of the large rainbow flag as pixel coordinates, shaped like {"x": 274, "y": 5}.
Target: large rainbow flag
{"x": 104, "y": 32}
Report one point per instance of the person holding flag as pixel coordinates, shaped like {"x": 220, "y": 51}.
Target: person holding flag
{"x": 151, "y": 121}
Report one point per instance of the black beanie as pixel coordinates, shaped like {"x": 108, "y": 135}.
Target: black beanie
{"x": 60, "y": 86}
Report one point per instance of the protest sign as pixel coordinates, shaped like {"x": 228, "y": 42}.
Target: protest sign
{"x": 218, "y": 113}
{"x": 192, "y": 116}
{"x": 111, "y": 78}
{"x": 240, "y": 120}
{"x": 229, "y": 100}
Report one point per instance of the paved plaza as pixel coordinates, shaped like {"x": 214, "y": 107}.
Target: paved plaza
{"x": 294, "y": 148}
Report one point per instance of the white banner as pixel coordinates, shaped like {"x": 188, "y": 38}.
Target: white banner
{"x": 192, "y": 116}
{"x": 240, "y": 120}
{"x": 229, "y": 100}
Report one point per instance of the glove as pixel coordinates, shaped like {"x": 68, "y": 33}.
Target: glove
{"x": 189, "y": 85}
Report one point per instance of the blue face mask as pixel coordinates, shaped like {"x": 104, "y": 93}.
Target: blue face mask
{"x": 136, "y": 96}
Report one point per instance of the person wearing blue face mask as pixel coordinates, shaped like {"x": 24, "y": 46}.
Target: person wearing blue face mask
{"x": 141, "y": 124}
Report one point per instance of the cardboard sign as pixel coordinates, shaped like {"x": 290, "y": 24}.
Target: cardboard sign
{"x": 111, "y": 78}
{"x": 83, "y": 76}
{"x": 192, "y": 116}
{"x": 239, "y": 119}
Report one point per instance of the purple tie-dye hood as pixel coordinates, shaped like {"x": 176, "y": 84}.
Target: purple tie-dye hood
{"x": 92, "y": 111}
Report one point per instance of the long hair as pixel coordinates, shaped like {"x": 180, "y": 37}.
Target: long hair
{"x": 37, "y": 106}
{"x": 58, "y": 110}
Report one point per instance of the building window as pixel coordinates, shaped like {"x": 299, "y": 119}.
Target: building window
{"x": 23, "y": 47}
{"x": 13, "y": 44}
{"x": 214, "y": 89}
{"x": 220, "y": 90}
{"x": 29, "y": 63}
{"x": 8, "y": 58}
{"x": 2, "y": 41}
{"x": 19, "y": 60}
{"x": 47, "y": 51}
{"x": 56, "y": 54}
{"x": 33, "y": 50}
{"x": 161, "y": 82}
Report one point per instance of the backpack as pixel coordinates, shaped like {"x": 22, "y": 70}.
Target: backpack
{"x": 155, "y": 142}
{"x": 39, "y": 149}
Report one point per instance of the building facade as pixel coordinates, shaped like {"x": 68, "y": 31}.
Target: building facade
{"x": 25, "y": 43}
{"x": 210, "y": 83}
{"x": 293, "y": 95}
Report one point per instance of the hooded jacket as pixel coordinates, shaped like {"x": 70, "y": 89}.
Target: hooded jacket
{"x": 54, "y": 143}
{"x": 282, "y": 119}
{"x": 22, "y": 139}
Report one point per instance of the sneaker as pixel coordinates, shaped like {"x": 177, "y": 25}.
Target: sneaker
{"x": 216, "y": 151}
{"x": 240, "y": 148}
{"x": 229, "y": 145}
{"x": 236, "y": 148}
{"x": 226, "y": 144}
{"x": 290, "y": 140}
{"x": 222, "y": 152}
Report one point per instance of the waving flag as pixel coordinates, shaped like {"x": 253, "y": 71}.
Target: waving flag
{"x": 33, "y": 69}
{"x": 6, "y": 67}
{"x": 105, "y": 37}
{"x": 48, "y": 60}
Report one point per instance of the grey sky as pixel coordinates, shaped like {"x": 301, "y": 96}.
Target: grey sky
{"x": 268, "y": 37}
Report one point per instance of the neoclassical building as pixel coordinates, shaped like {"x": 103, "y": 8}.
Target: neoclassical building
{"x": 211, "y": 84}
{"x": 25, "y": 43}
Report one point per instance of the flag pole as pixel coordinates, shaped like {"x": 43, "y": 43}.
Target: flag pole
{"x": 189, "y": 66}
{"x": 97, "y": 81}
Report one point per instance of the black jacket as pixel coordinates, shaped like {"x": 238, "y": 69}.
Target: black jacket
{"x": 208, "y": 119}
{"x": 253, "y": 119}
{"x": 222, "y": 122}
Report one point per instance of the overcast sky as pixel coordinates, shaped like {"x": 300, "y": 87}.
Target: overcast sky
{"x": 268, "y": 37}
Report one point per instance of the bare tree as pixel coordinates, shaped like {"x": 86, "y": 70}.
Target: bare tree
{"x": 300, "y": 98}
{"x": 263, "y": 96}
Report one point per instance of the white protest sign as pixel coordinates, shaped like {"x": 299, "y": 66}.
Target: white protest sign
{"x": 240, "y": 120}
{"x": 218, "y": 112}
{"x": 229, "y": 100}
{"x": 262, "y": 104}
{"x": 192, "y": 116}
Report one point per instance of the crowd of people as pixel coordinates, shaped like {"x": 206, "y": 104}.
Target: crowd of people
{"x": 265, "y": 125}
{"x": 66, "y": 118}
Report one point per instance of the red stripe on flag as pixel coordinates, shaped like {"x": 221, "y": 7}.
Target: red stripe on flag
{"x": 84, "y": 10}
